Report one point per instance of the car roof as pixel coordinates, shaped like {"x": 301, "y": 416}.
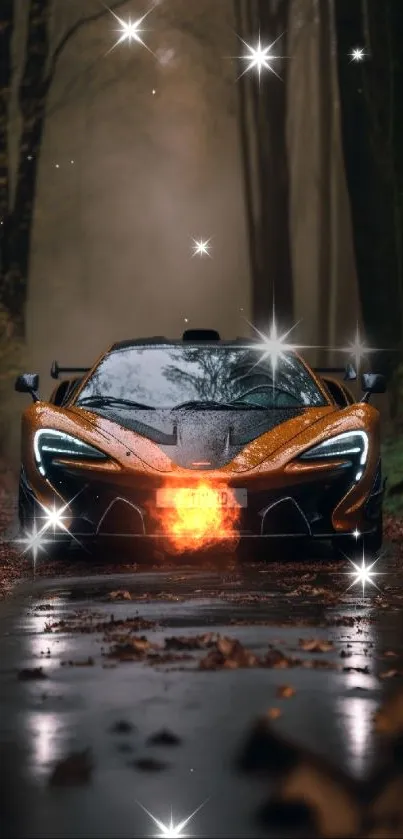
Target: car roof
{"x": 178, "y": 342}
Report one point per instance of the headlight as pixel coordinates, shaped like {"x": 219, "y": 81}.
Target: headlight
{"x": 351, "y": 446}
{"x": 50, "y": 445}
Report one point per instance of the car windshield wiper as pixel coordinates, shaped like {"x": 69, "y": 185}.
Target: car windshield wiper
{"x": 100, "y": 401}
{"x": 200, "y": 404}
{"x": 238, "y": 403}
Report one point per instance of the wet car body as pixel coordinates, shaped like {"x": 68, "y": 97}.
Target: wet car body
{"x": 154, "y": 414}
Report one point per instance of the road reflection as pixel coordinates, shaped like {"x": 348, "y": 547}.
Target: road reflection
{"x": 356, "y": 706}
{"x": 45, "y": 735}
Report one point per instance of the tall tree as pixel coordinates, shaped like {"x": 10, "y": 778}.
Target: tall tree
{"x": 17, "y": 206}
{"x": 373, "y": 138}
{"x": 263, "y": 136}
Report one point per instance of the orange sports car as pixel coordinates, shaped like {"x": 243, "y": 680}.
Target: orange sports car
{"x": 200, "y": 441}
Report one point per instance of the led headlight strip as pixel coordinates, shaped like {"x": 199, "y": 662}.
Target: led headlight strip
{"x": 49, "y": 443}
{"x": 350, "y": 445}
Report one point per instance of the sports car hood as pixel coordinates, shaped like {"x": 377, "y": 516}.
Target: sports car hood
{"x": 202, "y": 439}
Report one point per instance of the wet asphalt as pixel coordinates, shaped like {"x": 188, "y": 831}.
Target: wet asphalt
{"x": 69, "y": 685}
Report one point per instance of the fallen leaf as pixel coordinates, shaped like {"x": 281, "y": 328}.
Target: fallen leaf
{"x": 285, "y": 691}
{"x": 31, "y": 674}
{"x": 122, "y": 727}
{"x": 149, "y": 764}
{"x": 277, "y": 660}
{"x": 191, "y": 642}
{"x": 74, "y": 770}
{"x": 321, "y": 664}
{"x": 164, "y": 738}
{"x": 389, "y": 717}
{"x": 120, "y": 595}
{"x": 131, "y": 649}
{"x": 228, "y": 654}
{"x": 273, "y": 713}
{"x": 301, "y": 778}
{"x": 86, "y": 662}
{"x": 314, "y": 645}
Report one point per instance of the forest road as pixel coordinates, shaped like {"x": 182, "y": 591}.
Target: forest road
{"x": 150, "y": 681}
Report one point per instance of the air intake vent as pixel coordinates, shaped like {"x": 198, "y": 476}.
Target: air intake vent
{"x": 201, "y": 335}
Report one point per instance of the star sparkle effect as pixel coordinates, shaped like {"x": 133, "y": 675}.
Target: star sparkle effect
{"x": 201, "y": 247}
{"x": 363, "y": 573}
{"x": 357, "y": 350}
{"x": 274, "y": 345}
{"x": 260, "y": 57}
{"x": 358, "y": 54}
{"x": 35, "y": 542}
{"x": 130, "y": 30}
{"x": 172, "y": 830}
{"x": 54, "y": 517}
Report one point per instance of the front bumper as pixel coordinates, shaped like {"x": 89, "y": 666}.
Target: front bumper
{"x": 101, "y": 509}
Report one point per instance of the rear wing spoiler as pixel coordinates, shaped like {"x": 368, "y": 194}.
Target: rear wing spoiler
{"x": 349, "y": 372}
{"x": 55, "y": 370}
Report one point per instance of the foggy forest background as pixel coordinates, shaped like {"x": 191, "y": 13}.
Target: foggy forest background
{"x": 110, "y": 162}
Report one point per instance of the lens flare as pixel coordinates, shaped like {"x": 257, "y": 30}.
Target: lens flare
{"x": 199, "y": 517}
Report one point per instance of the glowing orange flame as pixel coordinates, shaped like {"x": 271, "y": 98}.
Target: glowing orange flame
{"x": 198, "y": 517}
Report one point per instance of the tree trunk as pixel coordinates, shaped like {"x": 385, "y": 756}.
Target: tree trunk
{"x": 6, "y": 32}
{"x": 371, "y": 146}
{"x": 263, "y": 124}
{"x": 325, "y": 286}
{"x": 275, "y": 281}
{"x": 32, "y": 98}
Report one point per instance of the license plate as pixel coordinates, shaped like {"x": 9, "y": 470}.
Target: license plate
{"x": 197, "y": 498}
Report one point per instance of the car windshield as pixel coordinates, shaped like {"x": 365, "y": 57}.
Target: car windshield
{"x": 186, "y": 377}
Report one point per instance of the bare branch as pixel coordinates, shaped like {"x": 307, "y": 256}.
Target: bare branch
{"x": 72, "y": 31}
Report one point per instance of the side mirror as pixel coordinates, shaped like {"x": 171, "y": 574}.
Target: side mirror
{"x": 28, "y": 383}
{"x": 372, "y": 383}
{"x": 350, "y": 373}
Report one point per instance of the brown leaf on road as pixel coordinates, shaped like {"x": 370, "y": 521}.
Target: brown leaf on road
{"x": 229, "y": 654}
{"x": 164, "y": 738}
{"x": 120, "y": 595}
{"x": 191, "y": 642}
{"x": 315, "y": 645}
{"x": 86, "y": 662}
{"x": 131, "y": 649}
{"x": 277, "y": 660}
{"x": 122, "y": 727}
{"x": 389, "y": 674}
{"x": 389, "y": 717}
{"x": 285, "y": 691}
{"x": 168, "y": 658}
{"x": 274, "y": 713}
{"x": 31, "y": 674}
{"x": 74, "y": 770}
{"x": 149, "y": 764}
{"x": 301, "y": 777}
{"x": 91, "y": 624}
{"x": 321, "y": 664}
